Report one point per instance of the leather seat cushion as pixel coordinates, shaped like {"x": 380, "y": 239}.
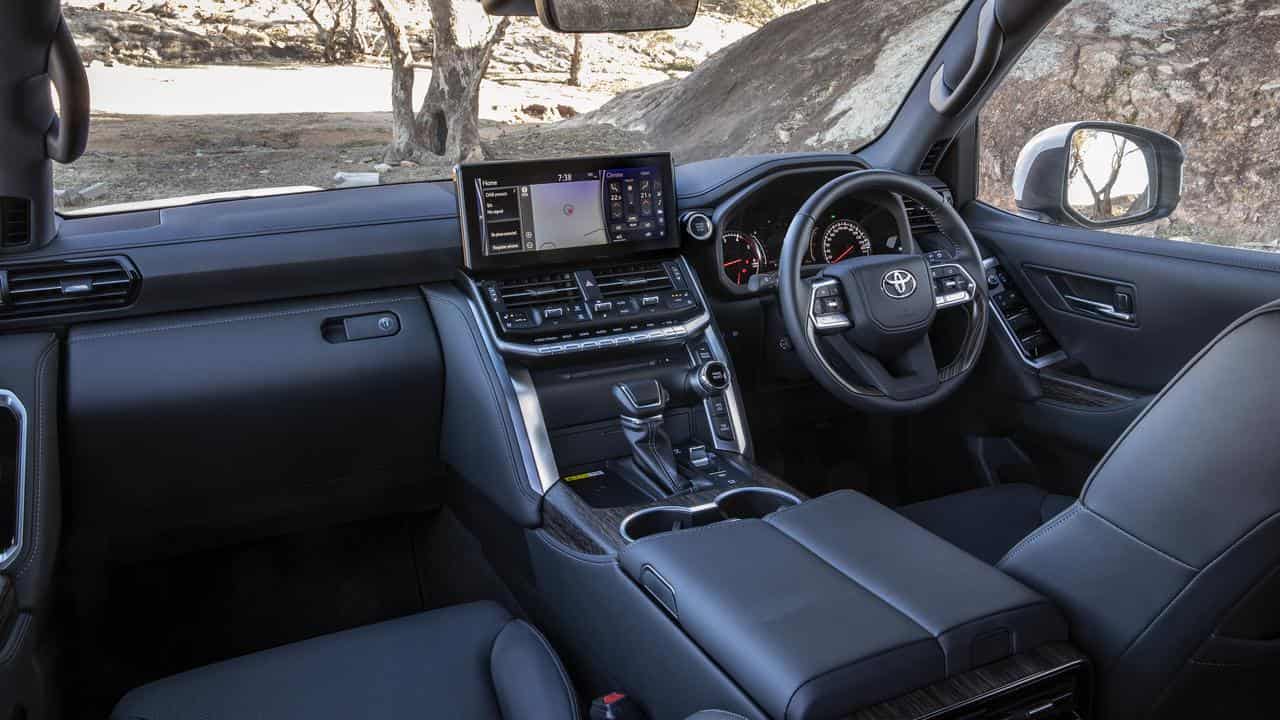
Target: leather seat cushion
{"x": 466, "y": 661}
{"x": 989, "y": 521}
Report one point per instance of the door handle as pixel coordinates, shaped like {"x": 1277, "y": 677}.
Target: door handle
{"x": 1098, "y": 309}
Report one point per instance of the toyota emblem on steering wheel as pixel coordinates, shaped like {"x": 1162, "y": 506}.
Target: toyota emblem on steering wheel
{"x": 898, "y": 284}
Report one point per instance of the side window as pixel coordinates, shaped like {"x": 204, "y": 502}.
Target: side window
{"x": 1201, "y": 73}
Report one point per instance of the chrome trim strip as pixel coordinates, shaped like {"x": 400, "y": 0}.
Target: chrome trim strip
{"x": 668, "y": 334}
{"x": 826, "y": 323}
{"x": 535, "y": 427}
{"x": 694, "y": 509}
{"x": 1004, "y": 689}
{"x": 1037, "y": 363}
{"x": 946, "y": 301}
{"x": 10, "y": 554}
{"x": 524, "y": 412}
{"x": 755, "y": 488}
{"x": 730, "y": 395}
{"x": 1108, "y": 311}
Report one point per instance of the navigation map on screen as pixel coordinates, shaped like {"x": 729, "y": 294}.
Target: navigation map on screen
{"x": 571, "y": 209}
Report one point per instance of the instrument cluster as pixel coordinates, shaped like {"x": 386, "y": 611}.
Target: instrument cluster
{"x": 751, "y": 243}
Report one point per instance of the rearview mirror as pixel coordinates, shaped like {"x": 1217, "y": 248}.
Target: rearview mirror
{"x": 601, "y": 16}
{"x": 1098, "y": 175}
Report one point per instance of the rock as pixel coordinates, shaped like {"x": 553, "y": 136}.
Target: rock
{"x": 408, "y": 164}
{"x": 381, "y": 168}
{"x": 535, "y": 110}
{"x": 355, "y": 179}
{"x": 567, "y": 111}
{"x": 75, "y": 197}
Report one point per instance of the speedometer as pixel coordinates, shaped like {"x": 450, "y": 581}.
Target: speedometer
{"x": 742, "y": 256}
{"x": 844, "y": 239}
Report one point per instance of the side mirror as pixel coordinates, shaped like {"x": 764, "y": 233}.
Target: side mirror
{"x": 1098, "y": 175}
{"x": 601, "y": 16}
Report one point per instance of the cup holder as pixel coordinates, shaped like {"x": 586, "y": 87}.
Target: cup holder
{"x": 739, "y": 504}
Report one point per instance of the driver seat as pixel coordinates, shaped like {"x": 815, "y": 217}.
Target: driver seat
{"x": 1168, "y": 566}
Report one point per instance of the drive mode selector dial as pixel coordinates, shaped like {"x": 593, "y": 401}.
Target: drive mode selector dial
{"x": 709, "y": 378}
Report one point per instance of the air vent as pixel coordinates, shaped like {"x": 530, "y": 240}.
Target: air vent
{"x": 539, "y": 290}
{"x": 920, "y": 217}
{"x": 929, "y": 166}
{"x": 67, "y": 286}
{"x": 15, "y": 222}
{"x": 632, "y": 279}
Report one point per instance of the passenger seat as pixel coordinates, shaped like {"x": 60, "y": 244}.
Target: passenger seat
{"x": 463, "y": 662}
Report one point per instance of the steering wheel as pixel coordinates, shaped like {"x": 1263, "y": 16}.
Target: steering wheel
{"x": 861, "y": 326}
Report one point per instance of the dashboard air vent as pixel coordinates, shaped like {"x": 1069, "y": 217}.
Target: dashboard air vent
{"x": 15, "y": 222}
{"x": 539, "y": 290}
{"x": 929, "y": 166}
{"x": 920, "y": 217}
{"x": 634, "y": 278}
{"x": 67, "y": 286}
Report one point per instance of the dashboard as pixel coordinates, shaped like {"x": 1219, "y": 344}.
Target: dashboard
{"x": 754, "y": 225}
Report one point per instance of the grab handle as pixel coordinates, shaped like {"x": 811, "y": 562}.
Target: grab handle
{"x": 68, "y": 135}
{"x": 985, "y": 55}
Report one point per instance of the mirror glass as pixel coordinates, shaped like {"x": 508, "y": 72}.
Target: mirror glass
{"x": 615, "y": 16}
{"x": 1108, "y": 176}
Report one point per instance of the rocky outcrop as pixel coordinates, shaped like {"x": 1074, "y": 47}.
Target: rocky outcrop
{"x": 1206, "y": 72}
{"x": 826, "y": 76}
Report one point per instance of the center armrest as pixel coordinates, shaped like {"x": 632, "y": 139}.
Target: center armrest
{"x": 837, "y": 603}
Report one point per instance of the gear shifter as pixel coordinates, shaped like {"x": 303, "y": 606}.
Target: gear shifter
{"x": 642, "y": 403}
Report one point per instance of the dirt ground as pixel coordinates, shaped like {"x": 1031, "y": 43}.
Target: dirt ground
{"x": 192, "y": 97}
{"x": 147, "y": 157}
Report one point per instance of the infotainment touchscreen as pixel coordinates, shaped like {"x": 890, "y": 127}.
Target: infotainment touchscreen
{"x": 555, "y": 211}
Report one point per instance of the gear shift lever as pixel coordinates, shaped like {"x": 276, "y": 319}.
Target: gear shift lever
{"x": 642, "y": 403}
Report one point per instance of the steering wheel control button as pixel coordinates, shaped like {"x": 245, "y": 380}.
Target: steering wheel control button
{"x": 827, "y": 309}
{"x": 951, "y": 285}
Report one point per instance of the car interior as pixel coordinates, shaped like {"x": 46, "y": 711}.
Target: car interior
{"x": 798, "y": 435}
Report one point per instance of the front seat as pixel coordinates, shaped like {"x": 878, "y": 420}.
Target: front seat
{"x": 463, "y": 662}
{"x": 1168, "y": 566}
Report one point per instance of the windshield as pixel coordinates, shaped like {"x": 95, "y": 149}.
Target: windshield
{"x": 204, "y": 99}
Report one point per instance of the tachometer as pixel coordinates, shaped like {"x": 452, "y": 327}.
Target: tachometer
{"x": 743, "y": 256}
{"x": 844, "y": 239}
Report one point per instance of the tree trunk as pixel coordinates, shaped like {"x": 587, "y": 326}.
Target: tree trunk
{"x": 448, "y": 123}
{"x": 407, "y": 139}
{"x": 464, "y": 37}
{"x": 575, "y": 62}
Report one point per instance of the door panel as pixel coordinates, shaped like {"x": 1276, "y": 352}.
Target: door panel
{"x": 1183, "y": 293}
{"x": 1127, "y": 312}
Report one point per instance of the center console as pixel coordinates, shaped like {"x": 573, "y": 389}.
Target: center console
{"x": 597, "y": 408}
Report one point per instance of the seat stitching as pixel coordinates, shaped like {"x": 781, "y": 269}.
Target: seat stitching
{"x": 241, "y": 318}
{"x": 1142, "y": 542}
{"x": 38, "y": 466}
{"x": 564, "y": 675}
{"x": 1239, "y": 323}
{"x": 1033, "y": 537}
{"x": 1186, "y": 585}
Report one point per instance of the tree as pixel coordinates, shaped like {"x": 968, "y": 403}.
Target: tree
{"x": 448, "y": 122}
{"x": 575, "y": 61}
{"x": 1082, "y": 144}
{"x": 338, "y": 25}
